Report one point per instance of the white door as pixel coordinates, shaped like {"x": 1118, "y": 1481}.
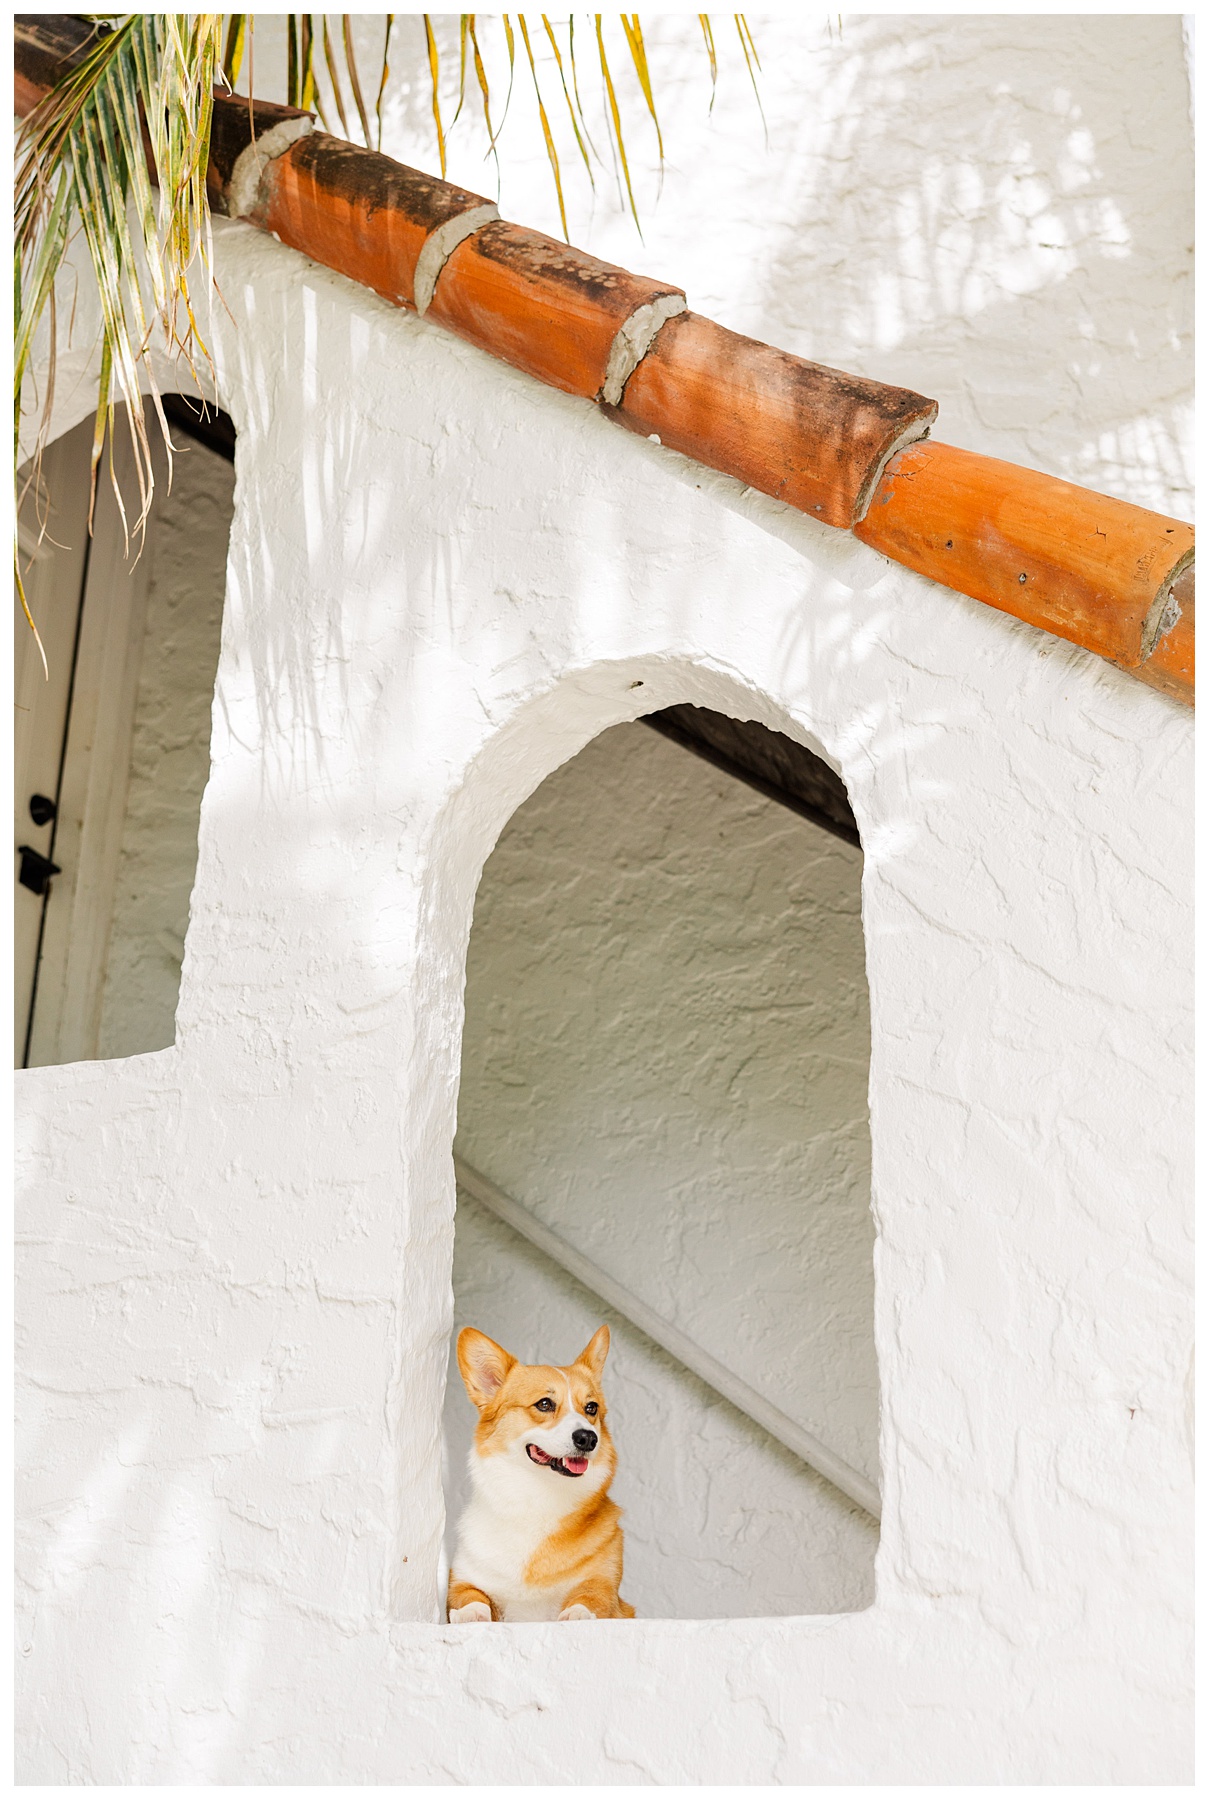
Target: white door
{"x": 88, "y": 597}
{"x": 55, "y": 561}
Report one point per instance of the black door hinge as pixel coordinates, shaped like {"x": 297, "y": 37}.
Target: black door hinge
{"x": 36, "y": 869}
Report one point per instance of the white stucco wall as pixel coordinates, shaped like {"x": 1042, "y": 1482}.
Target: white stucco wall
{"x": 666, "y": 1058}
{"x": 234, "y": 1267}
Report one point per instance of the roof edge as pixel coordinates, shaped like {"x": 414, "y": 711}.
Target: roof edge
{"x": 853, "y": 453}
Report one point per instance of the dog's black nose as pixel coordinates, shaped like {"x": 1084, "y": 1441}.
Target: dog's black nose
{"x": 584, "y": 1440}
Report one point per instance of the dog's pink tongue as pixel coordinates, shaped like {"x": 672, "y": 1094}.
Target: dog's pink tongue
{"x": 577, "y": 1465}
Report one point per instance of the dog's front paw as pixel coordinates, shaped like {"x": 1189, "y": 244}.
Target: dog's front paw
{"x": 477, "y": 1612}
{"x": 577, "y": 1612}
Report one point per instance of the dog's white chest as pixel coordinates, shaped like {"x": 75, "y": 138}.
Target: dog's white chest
{"x": 495, "y": 1560}
{"x": 506, "y": 1522}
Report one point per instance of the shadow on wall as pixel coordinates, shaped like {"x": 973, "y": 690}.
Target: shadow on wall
{"x": 665, "y": 1061}
{"x": 993, "y": 210}
{"x": 968, "y": 187}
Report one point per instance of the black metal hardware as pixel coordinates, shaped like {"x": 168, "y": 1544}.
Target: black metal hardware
{"x": 41, "y": 809}
{"x": 36, "y": 869}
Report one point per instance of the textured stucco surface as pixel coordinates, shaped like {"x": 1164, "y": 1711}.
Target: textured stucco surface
{"x": 666, "y": 1058}
{"x": 235, "y": 1253}
{"x": 169, "y": 755}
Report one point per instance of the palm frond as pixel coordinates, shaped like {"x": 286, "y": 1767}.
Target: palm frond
{"x": 117, "y": 152}
{"x": 475, "y": 48}
{"x": 707, "y": 32}
{"x": 232, "y": 60}
{"x": 551, "y": 152}
{"x": 579, "y": 138}
{"x": 385, "y": 77}
{"x": 615, "y": 120}
{"x": 463, "y": 22}
{"x": 434, "y": 67}
{"x": 132, "y": 116}
{"x": 350, "y": 59}
{"x": 307, "y": 57}
{"x": 291, "y": 59}
{"x": 484, "y": 87}
{"x": 633, "y": 38}
{"x": 575, "y": 84}
{"x": 510, "y": 41}
{"x": 329, "y": 56}
{"x": 751, "y": 56}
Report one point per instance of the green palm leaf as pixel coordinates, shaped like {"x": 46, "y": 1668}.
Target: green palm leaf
{"x": 118, "y": 151}
{"x": 132, "y": 117}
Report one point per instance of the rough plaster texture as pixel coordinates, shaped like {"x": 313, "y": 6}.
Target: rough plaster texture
{"x": 169, "y": 756}
{"x": 666, "y": 1057}
{"x": 235, "y": 1253}
{"x": 235, "y": 1296}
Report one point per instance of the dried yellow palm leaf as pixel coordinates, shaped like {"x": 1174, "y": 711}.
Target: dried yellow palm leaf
{"x": 751, "y": 56}
{"x": 579, "y": 138}
{"x": 434, "y": 66}
{"x": 309, "y": 86}
{"x": 384, "y": 78}
{"x": 117, "y": 152}
{"x": 350, "y": 58}
{"x": 618, "y": 137}
{"x": 132, "y": 116}
{"x": 329, "y": 56}
{"x": 232, "y": 62}
{"x": 633, "y": 38}
{"x": 707, "y": 32}
{"x": 551, "y": 152}
{"x": 510, "y": 41}
{"x": 481, "y": 77}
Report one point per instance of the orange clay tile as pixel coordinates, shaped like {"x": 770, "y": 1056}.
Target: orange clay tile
{"x": 359, "y": 213}
{"x": 1086, "y": 567}
{"x": 805, "y": 434}
{"x": 233, "y": 125}
{"x": 537, "y": 304}
{"x": 47, "y": 45}
{"x": 1171, "y": 667}
{"x": 1082, "y": 565}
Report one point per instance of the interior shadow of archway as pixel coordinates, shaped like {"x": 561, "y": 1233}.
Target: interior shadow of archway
{"x": 665, "y": 1060}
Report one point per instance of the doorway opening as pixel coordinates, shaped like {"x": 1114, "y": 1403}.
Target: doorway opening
{"x": 663, "y": 1126}
{"x": 112, "y": 743}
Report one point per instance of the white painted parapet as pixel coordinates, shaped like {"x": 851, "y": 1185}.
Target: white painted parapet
{"x": 234, "y": 1290}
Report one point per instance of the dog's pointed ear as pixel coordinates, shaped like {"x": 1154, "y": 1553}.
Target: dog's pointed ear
{"x": 484, "y": 1365}
{"x": 592, "y": 1357}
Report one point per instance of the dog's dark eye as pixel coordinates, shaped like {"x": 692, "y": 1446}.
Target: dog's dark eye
{"x": 544, "y": 1405}
{"x": 591, "y": 1409}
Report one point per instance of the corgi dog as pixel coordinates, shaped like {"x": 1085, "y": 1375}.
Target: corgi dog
{"x": 539, "y": 1538}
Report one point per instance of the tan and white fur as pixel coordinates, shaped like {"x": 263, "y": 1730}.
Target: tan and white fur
{"x": 540, "y": 1538}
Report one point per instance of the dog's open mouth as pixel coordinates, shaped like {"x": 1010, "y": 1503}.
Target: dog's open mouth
{"x": 562, "y": 1465}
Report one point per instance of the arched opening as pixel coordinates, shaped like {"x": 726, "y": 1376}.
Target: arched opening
{"x": 113, "y": 741}
{"x": 665, "y": 1073}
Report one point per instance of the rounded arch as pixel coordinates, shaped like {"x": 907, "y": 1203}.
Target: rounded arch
{"x": 510, "y": 765}
{"x": 515, "y": 757}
